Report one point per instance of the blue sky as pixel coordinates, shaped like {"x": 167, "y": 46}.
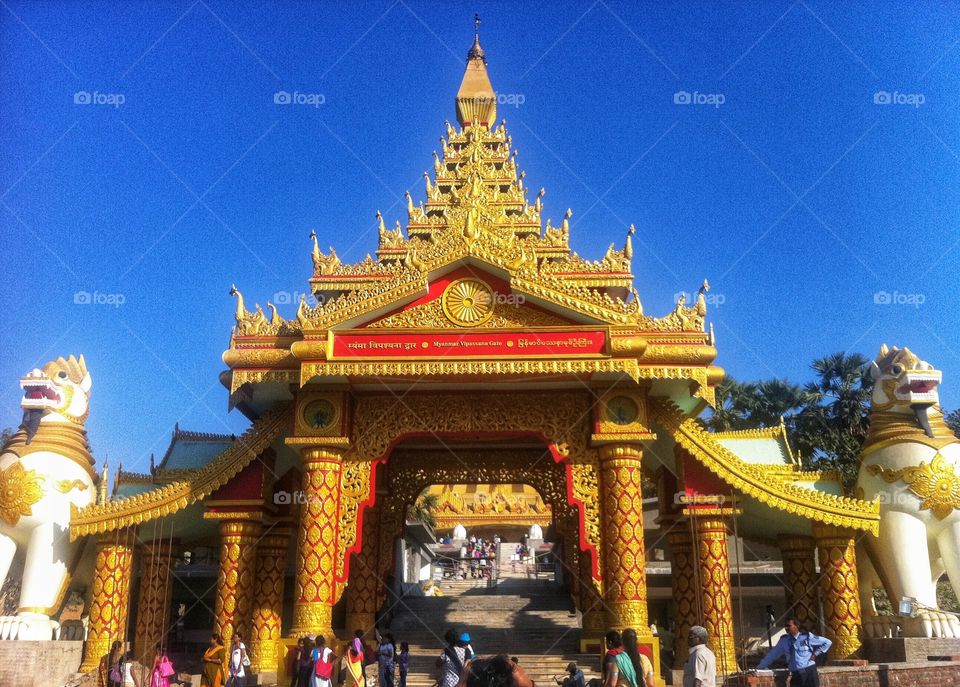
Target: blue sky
{"x": 813, "y": 179}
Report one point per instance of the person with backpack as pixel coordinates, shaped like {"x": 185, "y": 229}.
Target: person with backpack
{"x": 801, "y": 650}
{"x": 451, "y": 661}
{"x": 239, "y": 662}
{"x": 323, "y": 660}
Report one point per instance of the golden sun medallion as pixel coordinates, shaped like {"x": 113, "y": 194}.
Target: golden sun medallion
{"x": 467, "y": 302}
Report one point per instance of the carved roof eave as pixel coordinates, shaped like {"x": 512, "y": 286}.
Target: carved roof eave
{"x": 179, "y": 494}
{"x": 769, "y": 488}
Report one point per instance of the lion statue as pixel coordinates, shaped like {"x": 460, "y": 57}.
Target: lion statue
{"x": 44, "y": 468}
{"x": 909, "y": 462}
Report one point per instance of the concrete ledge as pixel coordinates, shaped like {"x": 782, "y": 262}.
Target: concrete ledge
{"x": 909, "y": 649}
{"x": 925, "y": 674}
{"x": 33, "y": 663}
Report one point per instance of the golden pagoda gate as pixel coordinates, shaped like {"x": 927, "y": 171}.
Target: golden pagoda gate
{"x": 476, "y": 347}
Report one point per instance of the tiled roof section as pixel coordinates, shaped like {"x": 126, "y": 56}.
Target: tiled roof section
{"x": 190, "y": 450}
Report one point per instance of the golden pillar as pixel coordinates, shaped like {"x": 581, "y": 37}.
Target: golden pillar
{"x": 153, "y": 604}
{"x": 238, "y": 556}
{"x": 110, "y": 600}
{"x": 840, "y": 591}
{"x": 317, "y": 542}
{"x": 686, "y": 592}
{"x": 268, "y": 601}
{"x": 800, "y": 580}
{"x": 365, "y": 583}
{"x": 624, "y": 560}
{"x": 710, "y": 533}
{"x": 593, "y": 616}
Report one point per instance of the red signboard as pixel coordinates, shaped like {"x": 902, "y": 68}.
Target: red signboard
{"x": 475, "y": 344}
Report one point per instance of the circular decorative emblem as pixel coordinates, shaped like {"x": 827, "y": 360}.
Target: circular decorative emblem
{"x": 622, "y": 410}
{"x": 467, "y": 302}
{"x": 319, "y": 414}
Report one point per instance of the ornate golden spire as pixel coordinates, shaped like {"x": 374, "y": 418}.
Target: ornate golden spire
{"x": 476, "y": 100}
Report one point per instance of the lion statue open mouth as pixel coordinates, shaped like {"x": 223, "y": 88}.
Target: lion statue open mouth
{"x": 910, "y": 461}
{"x": 45, "y": 467}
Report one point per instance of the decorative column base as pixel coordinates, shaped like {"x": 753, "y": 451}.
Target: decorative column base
{"x": 360, "y": 620}
{"x": 840, "y": 589}
{"x": 683, "y": 582}
{"x": 110, "y": 601}
{"x": 800, "y": 580}
{"x": 710, "y": 532}
{"x": 624, "y": 558}
{"x": 313, "y": 619}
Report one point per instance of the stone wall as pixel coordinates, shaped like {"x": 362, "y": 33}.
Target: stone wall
{"x": 38, "y": 663}
{"x": 928, "y": 674}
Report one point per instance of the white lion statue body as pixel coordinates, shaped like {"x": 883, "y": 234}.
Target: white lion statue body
{"x": 910, "y": 461}
{"x": 45, "y": 468}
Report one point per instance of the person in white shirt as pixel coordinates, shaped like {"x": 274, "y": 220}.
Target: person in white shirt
{"x": 701, "y": 667}
{"x": 239, "y": 661}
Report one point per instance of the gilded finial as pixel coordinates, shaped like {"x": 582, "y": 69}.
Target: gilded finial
{"x": 628, "y": 246}
{"x": 476, "y": 52}
{"x": 241, "y": 312}
{"x": 380, "y": 223}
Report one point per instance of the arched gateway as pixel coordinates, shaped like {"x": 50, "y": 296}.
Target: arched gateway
{"x": 476, "y": 346}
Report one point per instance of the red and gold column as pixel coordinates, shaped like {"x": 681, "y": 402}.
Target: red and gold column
{"x": 686, "y": 591}
{"x": 594, "y": 618}
{"x": 363, "y": 594}
{"x": 624, "y": 560}
{"x": 153, "y": 604}
{"x": 800, "y": 580}
{"x": 110, "y": 600}
{"x": 268, "y": 600}
{"x": 317, "y": 542}
{"x": 839, "y": 589}
{"x": 238, "y": 556}
{"x": 710, "y": 533}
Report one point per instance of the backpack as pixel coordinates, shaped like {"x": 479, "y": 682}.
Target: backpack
{"x": 323, "y": 668}
{"x": 116, "y": 672}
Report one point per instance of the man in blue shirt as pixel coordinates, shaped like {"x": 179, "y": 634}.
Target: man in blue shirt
{"x": 800, "y": 649}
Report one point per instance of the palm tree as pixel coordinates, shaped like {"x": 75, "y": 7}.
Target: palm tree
{"x": 836, "y": 417}
{"x": 423, "y": 510}
{"x": 775, "y": 399}
{"x": 953, "y": 421}
{"x": 733, "y": 403}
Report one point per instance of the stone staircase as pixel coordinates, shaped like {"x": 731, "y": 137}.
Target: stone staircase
{"x": 524, "y": 618}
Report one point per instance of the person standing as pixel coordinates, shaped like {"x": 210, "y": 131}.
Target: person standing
{"x": 700, "y": 669}
{"x": 642, "y": 665}
{"x": 213, "y": 659}
{"x": 403, "y": 662}
{"x": 354, "y": 676}
{"x": 322, "y": 658}
{"x": 239, "y": 661}
{"x": 451, "y": 660}
{"x": 801, "y": 649}
{"x": 386, "y": 656}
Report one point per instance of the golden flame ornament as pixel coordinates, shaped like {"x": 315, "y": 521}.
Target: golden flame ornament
{"x": 467, "y": 302}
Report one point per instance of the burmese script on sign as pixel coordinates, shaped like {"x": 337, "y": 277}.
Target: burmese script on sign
{"x": 351, "y": 345}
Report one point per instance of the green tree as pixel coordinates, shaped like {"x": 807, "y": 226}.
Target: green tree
{"x": 733, "y": 405}
{"x": 423, "y": 510}
{"x": 836, "y": 417}
{"x": 953, "y": 421}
